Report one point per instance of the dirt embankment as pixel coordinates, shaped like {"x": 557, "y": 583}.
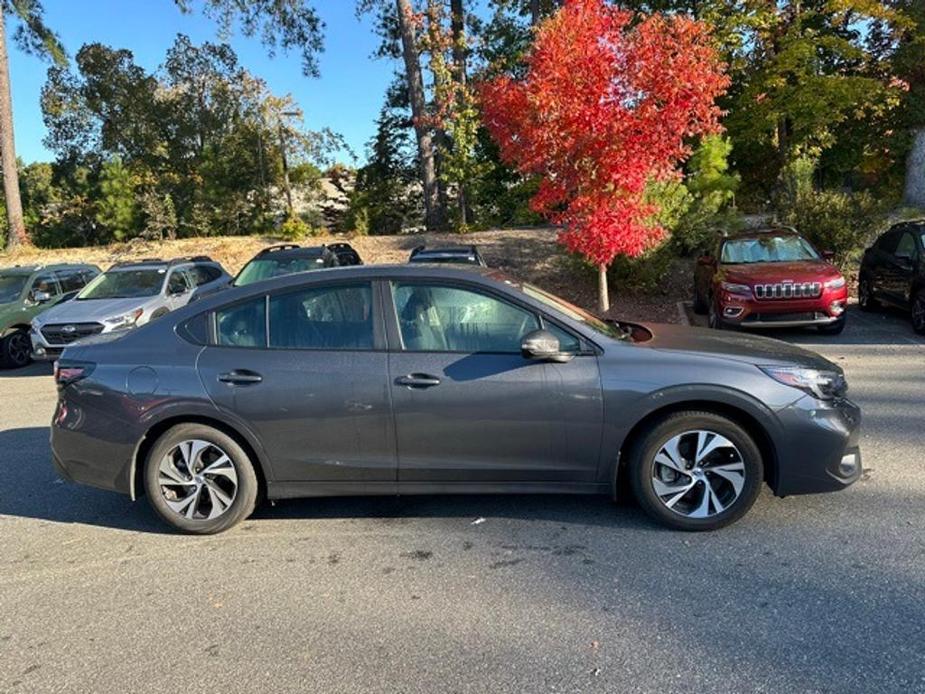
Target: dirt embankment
{"x": 532, "y": 255}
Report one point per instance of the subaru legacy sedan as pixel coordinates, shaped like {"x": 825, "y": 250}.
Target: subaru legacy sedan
{"x": 421, "y": 379}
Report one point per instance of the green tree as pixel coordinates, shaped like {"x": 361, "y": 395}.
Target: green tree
{"x": 117, "y": 208}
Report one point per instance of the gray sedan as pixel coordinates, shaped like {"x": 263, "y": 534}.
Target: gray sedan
{"x": 421, "y": 379}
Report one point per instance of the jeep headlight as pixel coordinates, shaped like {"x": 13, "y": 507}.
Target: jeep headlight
{"x": 735, "y": 288}
{"x": 126, "y": 320}
{"x": 837, "y": 283}
{"x": 821, "y": 384}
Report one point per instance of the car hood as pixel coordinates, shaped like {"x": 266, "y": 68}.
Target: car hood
{"x": 800, "y": 271}
{"x": 90, "y": 310}
{"x": 741, "y": 347}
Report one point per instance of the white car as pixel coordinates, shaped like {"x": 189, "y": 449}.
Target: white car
{"x": 125, "y": 296}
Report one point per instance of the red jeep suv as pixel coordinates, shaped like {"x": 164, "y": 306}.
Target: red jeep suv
{"x": 770, "y": 278}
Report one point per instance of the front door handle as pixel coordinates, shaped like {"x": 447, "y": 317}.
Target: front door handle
{"x": 240, "y": 377}
{"x": 418, "y": 381}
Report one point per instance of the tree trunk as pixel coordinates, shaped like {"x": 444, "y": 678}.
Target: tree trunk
{"x": 914, "y": 194}
{"x": 603, "y": 294}
{"x": 17, "y": 228}
{"x": 433, "y": 212}
{"x": 458, "y": 25}
{"x": 535, "y": 12}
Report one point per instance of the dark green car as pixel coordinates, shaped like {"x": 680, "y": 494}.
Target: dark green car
{"x": 26, "y": 291}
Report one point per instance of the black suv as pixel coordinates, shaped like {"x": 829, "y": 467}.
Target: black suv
{"x": 454, "y": 255}
{"x": 289, "y": 258}
{"x": 893, "y": 272}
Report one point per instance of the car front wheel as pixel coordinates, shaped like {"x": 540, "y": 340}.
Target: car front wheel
{"x": 16, "y": 350}
{"x": 918, "y": 312}
{"x": 696, "y": 471}
{"x": 200, "y": 480}
{"x": 866, "y": 299}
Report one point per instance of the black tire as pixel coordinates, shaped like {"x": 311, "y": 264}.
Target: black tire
{"x": 16, "y": 350}
{"x": 713, "y": 319}
{"x": 866, "y": 299}
{"x": 836, "y": 328}
{"x": 244, "y": 498}
{"x": 918, "y": 312}
{"x": 641, "y": 468}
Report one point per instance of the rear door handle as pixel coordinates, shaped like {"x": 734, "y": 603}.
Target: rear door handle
{"x": 240, "y": 377}
{"x": 418, "y": 381}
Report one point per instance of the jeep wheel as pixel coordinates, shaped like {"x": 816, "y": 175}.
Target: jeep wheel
{"x": 16, "y": 350}
{"x": 866, "y": 299}
{"x": 836, "y": 328}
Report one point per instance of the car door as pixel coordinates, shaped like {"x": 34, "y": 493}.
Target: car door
{"x": 307, "y": 370}
{"x": 469, "y": 407}
{"x": 878, "y": 269}
{"x": 899, "y": 269}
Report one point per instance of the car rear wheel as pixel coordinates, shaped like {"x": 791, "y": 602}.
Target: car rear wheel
{"x": 16, "y": 350}
{"x": 866, "y": 299}
{"x": 918, "y": 312}
{"x": 696, "y": 471}
{"x": 200, "y": 480}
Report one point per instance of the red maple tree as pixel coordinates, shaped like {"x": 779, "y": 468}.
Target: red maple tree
{"x": 610, "y": 102}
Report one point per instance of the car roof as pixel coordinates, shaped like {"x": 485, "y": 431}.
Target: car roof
{"x": 29, "y": 269}
{"x": 287, "y": 251}
{"x": 444, "y": 250}
{"x": 158, "y": 263}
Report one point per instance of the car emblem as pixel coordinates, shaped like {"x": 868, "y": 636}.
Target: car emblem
{"x": 69, "y": 329}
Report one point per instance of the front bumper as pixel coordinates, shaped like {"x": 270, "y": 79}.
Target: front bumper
{"x": 820, "y": 451}
{"x": 748, "y": 312}
{"x": 41, "y": 350}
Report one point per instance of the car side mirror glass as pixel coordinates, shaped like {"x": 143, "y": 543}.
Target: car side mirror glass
{"x": 40, "y": 297}
{"x": 542, "y": 345}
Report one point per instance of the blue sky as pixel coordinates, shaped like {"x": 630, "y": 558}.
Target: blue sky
{"x": 346, "y": 98}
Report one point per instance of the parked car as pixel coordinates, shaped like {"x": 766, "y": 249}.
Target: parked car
{"x": 893, "y": 272}
{"x": 770, "y": 278}
{"x": 126, "y": 296}
{"x": 456, "y": 255}
{"x": 27, "y": 291}
{"x": 346, "y": 254}
{"x": 286, "y": 259}
{"x": 422, "y": 379}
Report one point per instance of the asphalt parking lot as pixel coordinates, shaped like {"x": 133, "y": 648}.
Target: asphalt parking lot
{"x": 439, "y": 594}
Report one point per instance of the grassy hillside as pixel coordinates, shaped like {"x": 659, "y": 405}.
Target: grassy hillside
{"x": 532, "y": 255}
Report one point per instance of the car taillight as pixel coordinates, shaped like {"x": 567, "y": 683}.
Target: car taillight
{"x": 70, "y": 372}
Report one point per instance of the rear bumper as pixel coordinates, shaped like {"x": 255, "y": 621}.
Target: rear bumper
{"x": 821, "y": 452}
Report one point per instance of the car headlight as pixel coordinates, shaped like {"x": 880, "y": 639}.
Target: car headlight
{"x": 34, "y": 325}
{"x": 126, "y": 320}
{"x": 734, "y": 288}
{"x": 824, "y": 385}
{"x": 837, "y": 283}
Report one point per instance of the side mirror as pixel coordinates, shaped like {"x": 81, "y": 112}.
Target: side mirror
{"x": 542, "y": 345}
{"x": 828, "y": 255}
{"x": 40, "y": 297}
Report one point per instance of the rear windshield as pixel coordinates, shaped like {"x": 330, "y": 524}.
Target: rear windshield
{"x": 265, "y": 268}
{"x": 124, "y": 284}
{"x": 11, "y": 287}
{"x": 452, "y": 259}
{"x": 768, "y": 249}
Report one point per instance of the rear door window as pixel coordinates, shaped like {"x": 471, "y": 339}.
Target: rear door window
{"x": 242, "y": 325}
{"x": 328, "y": 318}
{"x": 203, "y": 274}
{"x": 71, "y": 280}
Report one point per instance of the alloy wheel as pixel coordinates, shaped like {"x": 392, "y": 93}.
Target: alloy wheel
{"x": 198, "y": 480}
{"x": 19, "y": 348}
{"x": 918, "y": 312}
{"x": 698, "y": 474}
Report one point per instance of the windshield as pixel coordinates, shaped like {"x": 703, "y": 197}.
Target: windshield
{"x": 608, "y": 329}
{"x": 768, "y": 249}
{"x": 124, "y": 284}
{"x": 265, "y": 268}
{"x": 11, "y": 287}
{"x": 452, "y": 259}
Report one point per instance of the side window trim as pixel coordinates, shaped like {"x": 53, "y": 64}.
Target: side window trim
{"x": 584, "y": 350}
